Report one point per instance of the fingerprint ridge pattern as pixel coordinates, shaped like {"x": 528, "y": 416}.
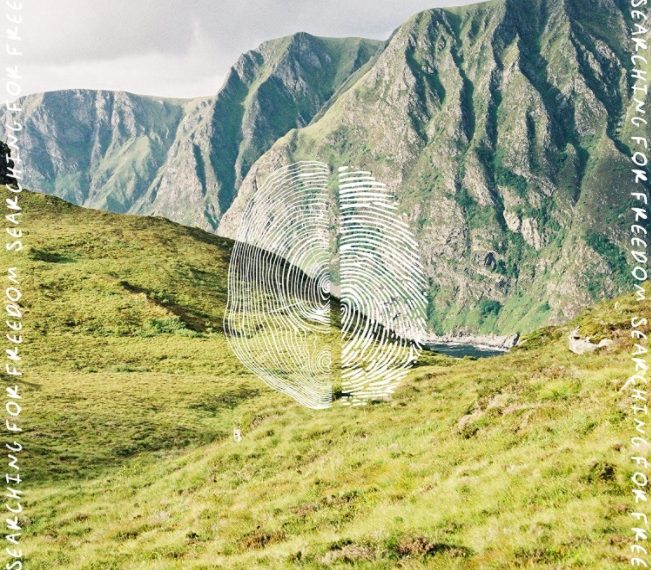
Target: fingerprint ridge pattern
{"x": 382, "y": 289}
{"x": 279, "y": 312}
{"x": 278, "y": 304}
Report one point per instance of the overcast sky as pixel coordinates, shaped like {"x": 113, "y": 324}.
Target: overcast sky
{"x": 180, "y": 48}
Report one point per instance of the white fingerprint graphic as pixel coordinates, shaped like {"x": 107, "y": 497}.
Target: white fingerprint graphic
{"x": 278, "y": 312}
{"x": 282, "y": 272}
{"x": 382, "y": 289}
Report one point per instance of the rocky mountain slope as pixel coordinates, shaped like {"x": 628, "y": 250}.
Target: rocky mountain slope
{"x": 183, "y": 159}
{"x": 98, "y": 148}
{"x": 500, "y": 126}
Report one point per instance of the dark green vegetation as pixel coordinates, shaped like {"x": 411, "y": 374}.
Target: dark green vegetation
{"x": 132, "y": 397}
{"x": 5, "y": 177}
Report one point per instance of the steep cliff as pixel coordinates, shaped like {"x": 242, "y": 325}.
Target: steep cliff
{"x": 500, "y": 128}
{"x": 182, "y": 159}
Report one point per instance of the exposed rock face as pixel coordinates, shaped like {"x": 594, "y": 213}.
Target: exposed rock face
{"x": 580, "y": 345}
{"x": 182, "y": 159}
{"x": 97, "y": 148}
{"x": 501, "y": 127}
{"x": 504, "y": 342}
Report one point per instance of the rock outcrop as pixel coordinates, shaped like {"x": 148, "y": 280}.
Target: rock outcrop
{"x": 583, "y": 345}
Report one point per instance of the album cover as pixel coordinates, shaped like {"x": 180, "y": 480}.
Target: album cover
{"x": 325, "y": 284}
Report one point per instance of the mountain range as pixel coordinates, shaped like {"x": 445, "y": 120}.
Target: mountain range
{"x": 501, "y": 127}
{"x": 182, "y": 159}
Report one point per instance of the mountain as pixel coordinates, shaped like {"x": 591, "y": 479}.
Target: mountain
{"x": 500, "y": 126}
{"x": 182, "y": 159}
{"x": 98, "y": 148}
{"x": 281, "y": 85}
{"x": 507, "y": 462}
{"x": 502, "y": 129}
{"x": 5, "y": 164}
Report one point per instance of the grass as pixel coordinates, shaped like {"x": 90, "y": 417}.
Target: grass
{"x": 132, "y": 396}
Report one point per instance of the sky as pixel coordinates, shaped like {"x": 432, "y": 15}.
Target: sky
{"x": 180, "y": 48}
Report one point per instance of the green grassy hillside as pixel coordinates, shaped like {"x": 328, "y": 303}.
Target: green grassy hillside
{"x": 132, "y": 397}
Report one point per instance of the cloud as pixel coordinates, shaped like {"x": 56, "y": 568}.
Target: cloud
{"x": 179, "y": 48}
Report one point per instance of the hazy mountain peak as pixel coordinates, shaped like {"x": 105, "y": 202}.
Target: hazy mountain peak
{"x": 182, "y": 158}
